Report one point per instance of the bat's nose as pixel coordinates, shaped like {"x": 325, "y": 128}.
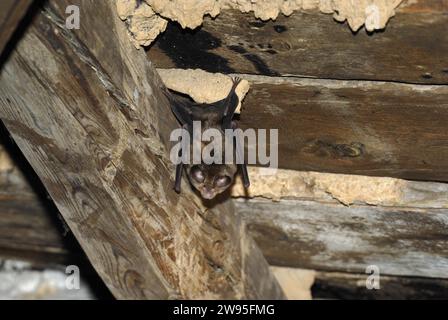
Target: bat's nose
{"x": 207, "y": 194}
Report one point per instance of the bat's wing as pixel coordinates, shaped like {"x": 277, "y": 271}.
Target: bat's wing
{"x": 181, "y": 107}
{"x": 186, "y": 111}
{"x": 178, "y": 178}
{"x": 240, "y": 155}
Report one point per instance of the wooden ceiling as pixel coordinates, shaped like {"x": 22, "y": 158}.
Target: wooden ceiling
{"x": 371, "y": 104}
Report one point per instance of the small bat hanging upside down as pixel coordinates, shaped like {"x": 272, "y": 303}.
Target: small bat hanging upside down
{"x": 209, "y": 179}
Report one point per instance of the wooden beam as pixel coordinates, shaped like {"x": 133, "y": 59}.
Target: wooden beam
{"x": 423, "y": 6}
{"x": 323, "y": 235}
{"x": 295, "y": 282}
{"x": 11, "y": 13}
{"x": 26, "y": 226}
{"x": 374, "y": 128}
{"x": 86, "y": 109}
{"x": 30, "y": 225}
{"x": 411, "y": 49}
{"x": 337, "y": 285}
{"x": 354, "y": 127}
{"x": 310, "y": 235}
{"x": 396, "y": 210}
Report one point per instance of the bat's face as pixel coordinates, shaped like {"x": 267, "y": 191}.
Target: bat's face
{"x": 211, "y": 180}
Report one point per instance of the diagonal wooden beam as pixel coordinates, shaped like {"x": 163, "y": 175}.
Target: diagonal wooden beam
{"x": 86, "y": 110}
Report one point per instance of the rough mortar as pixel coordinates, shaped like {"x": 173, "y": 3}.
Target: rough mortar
{"x": 278, "y": 184}
{"x": 202, "y": 86}
{"x": 147, "y": 20}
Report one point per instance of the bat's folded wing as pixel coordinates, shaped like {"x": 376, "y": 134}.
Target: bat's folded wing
{"x": 181, "y": 107}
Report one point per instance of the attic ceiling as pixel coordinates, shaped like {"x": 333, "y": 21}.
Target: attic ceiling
{"x": 147, "y": 18}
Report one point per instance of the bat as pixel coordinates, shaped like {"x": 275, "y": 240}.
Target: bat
{"x": 209, "y": 179}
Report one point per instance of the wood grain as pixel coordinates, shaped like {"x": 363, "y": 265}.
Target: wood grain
{"x": 330, "y": 237}
{"x": 28, "y": 232}
{"x": 41, "y": 241}
{"x": 25, "y": 225}
{"x": 306, "y": 234}
{"x": 367, "y": 128}
{"x": 419, "y": 6}
{"x": 87, "y": 112}
{"x": 411, "y": 49}
{"x": 31, "y": 227}
{"x": 337, "y": 285}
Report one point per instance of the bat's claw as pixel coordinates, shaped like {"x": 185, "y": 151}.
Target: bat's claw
{"x": 236, "y": 81}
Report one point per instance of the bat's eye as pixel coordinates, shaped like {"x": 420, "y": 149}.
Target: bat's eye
{"x": 197, "y": 174}
{"x": 223, "y": 181}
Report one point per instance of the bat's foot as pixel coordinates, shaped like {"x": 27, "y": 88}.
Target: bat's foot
{"x": 236, "y": 81}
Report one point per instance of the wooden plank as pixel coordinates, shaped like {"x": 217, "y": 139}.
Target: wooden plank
{"x": 25, "y": 225}
{"x": 411, "y": 49}
{"x": 367, "y": 128}
{"x": 30, "y": 225}
{"x": 326, "y": 285}
{"x": 93, "y": 124}
{"x": 11, "y": 13}
{"x": 334, "y": 285}
{"x": 402, "y": 199}
{"x": 419, "y": 6}
{"x": 406, "y": 195}
{"x": 266, "y": 229}
{"x": 45, "y": 242}
{"x": 331, "y": 237}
